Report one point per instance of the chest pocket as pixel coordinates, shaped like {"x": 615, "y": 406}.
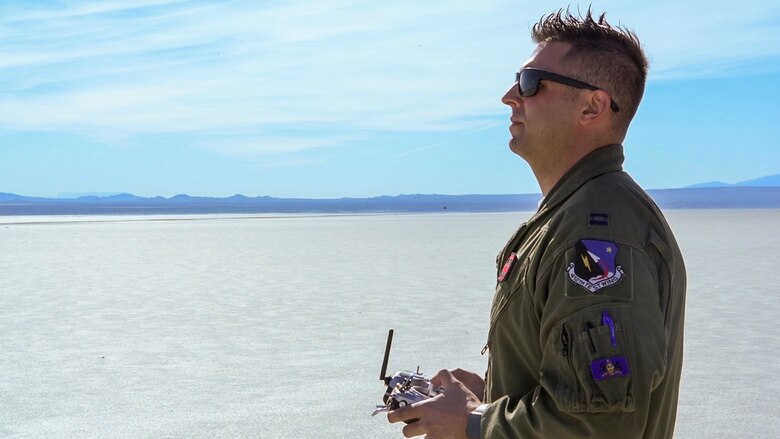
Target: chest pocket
{"x": 509, "y": 287}
{"x": 512, "y": 280}
{"x": 512, "y": 274}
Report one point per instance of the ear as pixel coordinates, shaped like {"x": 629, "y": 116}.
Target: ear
{"x": 596, "y": 107}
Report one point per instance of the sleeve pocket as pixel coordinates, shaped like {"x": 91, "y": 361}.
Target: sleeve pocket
{"x": 587, "y": 361}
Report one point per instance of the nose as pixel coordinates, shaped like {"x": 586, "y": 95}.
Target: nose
{"x": 512, "y": 96}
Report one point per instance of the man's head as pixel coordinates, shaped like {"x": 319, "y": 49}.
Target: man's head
{"x": 578, "y": 91}
{"x": 607, "y": 57}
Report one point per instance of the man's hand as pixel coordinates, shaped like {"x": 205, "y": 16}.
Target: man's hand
{"x": 443, "y": 416}
{"x": 474, "y": 382}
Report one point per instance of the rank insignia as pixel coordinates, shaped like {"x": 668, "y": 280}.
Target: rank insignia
{"x": 598, "y": 219}
{"x": 594, "y": 265}
{"x": 611, "y": 367}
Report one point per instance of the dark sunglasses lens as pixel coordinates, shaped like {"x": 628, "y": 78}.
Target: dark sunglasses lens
{"x": 527, "y": 82}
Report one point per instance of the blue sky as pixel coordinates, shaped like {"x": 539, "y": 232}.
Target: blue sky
{"x": 353, "y": 98}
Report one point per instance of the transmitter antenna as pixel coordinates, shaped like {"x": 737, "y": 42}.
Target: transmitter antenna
{"x": 383, "y": 373}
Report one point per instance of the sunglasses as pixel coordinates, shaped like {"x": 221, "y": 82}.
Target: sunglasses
{"x": 528, "y": 83}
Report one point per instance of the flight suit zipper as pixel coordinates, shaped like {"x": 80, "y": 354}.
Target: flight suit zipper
{"x": 509, "y": 265}
{"x": 493, "y": 326}
{"x": 494, "y": 321}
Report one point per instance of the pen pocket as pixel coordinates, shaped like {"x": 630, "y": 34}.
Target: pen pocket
{"x": 594, "y": 361}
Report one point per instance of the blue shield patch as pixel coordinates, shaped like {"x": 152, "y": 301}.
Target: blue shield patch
{"x": 594, "y": 267}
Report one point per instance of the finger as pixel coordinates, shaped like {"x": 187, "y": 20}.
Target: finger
{"x": 461, "y": 374}
{"x": 403, "y": 414}
{"x": 415, "y": 429}
{"x": 435, "y": 380}
{"x": 443, "y": 378}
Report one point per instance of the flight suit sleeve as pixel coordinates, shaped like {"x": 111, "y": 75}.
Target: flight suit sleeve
{"x": 603, "y": 347}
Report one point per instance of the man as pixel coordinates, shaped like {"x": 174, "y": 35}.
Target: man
{"x": 586, "y": 327}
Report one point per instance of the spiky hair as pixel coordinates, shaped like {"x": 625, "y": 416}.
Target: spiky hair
{"x": 609, "y": 57}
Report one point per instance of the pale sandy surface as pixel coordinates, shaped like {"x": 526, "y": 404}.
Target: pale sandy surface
{"x": 223, "y": 327}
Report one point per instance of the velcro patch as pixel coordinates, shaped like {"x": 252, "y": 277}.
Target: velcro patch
{"x": 598, "y": 219}
{"x": 594, "y": 267}
{"x": 608, "y": 368}
{"x": 507, "y": 266}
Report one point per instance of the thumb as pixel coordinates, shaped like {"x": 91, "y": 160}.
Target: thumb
{"x": 443, "y": 378}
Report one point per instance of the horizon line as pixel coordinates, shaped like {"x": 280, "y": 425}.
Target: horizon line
{"x": 108, "y": 195}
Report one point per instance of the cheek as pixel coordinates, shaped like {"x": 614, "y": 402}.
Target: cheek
{"x": 541, "y": 122}
{"x": 553, "y": 120}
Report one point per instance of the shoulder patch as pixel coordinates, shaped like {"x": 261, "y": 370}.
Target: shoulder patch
{"x": 594, "y": 267}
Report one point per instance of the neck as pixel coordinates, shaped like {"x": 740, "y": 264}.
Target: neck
{"x": 548, "y": 176}
{"x": 547, "y": 180}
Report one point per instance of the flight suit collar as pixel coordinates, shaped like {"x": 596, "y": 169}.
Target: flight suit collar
{"x": 601, "y": 161}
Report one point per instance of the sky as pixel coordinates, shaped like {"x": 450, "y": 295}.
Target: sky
{"x": 342, "y": 98}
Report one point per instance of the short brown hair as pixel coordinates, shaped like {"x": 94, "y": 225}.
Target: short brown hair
{"x": 609, "y": 57}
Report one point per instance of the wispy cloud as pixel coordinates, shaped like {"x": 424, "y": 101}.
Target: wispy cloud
{"x": 182, "y": 66}
{"x": 282, "y": 140}
{"x": 696, "y": 39}
{"x": 188, "y": 67}
{"x": 445, "y": 142}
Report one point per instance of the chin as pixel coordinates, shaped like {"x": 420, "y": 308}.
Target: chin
{"x": 516, "y": 147}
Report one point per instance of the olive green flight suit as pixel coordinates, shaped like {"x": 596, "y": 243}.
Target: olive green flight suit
{"x": 586, "y": 327}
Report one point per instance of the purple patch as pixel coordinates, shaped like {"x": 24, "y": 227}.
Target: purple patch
{"x": 605, "y": 251}
{"x": 610, "y": 367}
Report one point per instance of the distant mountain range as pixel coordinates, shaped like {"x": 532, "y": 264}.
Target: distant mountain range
{"x": 767, "y": 181}
{"x": 760, "y": 193}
